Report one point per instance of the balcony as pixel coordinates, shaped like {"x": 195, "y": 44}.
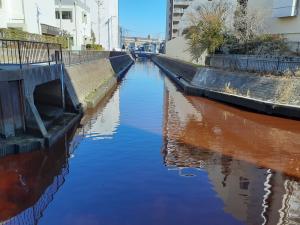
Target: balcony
{"x": 182, "y": 2}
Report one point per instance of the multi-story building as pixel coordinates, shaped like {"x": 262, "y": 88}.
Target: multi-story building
{"x": 175, "y": 11}
{"x": 29, "y": 15}
{"x": 74, "y": 17}
{"x": 105, "y": 22}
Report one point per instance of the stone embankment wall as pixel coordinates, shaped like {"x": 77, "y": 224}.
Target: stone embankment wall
{"x": 89, "y": 82}
{"x": 267, "y": 94}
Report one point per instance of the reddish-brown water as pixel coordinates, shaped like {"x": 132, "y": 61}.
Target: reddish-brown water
{"x": 150, "y": 155}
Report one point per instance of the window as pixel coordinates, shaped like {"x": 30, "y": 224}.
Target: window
{"x": 57, "y": 16}
{"x": 66, "y": 15}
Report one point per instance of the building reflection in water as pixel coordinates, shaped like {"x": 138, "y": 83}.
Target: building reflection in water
{"x": 247, "y": 156}
{"x": 102, "y": 124}
{"x": 29, "y": 182}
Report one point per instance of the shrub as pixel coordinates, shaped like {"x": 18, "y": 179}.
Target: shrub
{"x": 95, "y": 47}
{"x": 208, "y": 29}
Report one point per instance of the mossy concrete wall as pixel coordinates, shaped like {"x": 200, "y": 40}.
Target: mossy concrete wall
{"x": 91, "y": 81}
{"x": 267, "y": 94}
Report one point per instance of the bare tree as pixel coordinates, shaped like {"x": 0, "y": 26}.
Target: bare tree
{"x": 207, "y": 30}
{"x": 248, "y": 24}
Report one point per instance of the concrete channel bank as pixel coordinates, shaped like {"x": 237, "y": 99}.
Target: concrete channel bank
{"x": 90, "y": 82}
{"x": 274, "y": 95}
{"x": 39, "y": 104}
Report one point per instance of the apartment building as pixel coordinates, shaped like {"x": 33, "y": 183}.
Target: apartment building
{"x": 34, "y": 16}
{"x": 175, "y": 11}
{"x": 74, "y": 18}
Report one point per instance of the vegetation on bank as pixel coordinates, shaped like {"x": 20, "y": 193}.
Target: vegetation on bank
{"x": 16, "y": 34}
{"x": 214, "y": 26}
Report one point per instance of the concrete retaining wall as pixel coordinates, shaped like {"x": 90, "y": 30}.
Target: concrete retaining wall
{"x": 178, "y": 48}
{"x": 32, "y": 100}
{"x": 267, "y": 94}
{"x": 88, "y": 80}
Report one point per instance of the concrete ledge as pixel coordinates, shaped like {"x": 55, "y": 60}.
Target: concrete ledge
{"x": 266, "y": 107}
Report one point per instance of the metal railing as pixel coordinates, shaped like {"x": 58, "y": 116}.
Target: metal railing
{"x": 16, "y": 52}
{"x": 277, "y": 57}
{"x": 77, "y": 57}
{"x": 274, "y": 48}
{"x": 256, "y": 63}
{"x": 20, "y": 53}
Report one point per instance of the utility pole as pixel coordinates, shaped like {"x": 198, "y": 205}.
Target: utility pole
{"x": 38, "y": 13}
{"x": 60, "y": 19}
{"x": 109, "y": 27}
{"x": 75, "y": 16}
{"x": 99, "y": 4}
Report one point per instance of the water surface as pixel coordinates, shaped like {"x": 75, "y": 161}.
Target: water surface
{"x": 151, "y": 156}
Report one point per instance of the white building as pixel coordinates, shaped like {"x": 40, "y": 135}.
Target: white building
{"x": 76, "y": 20}
{"x": 33, "y": 16}
{"x": 105, "y": 22}
{"x": 80, "y": 18}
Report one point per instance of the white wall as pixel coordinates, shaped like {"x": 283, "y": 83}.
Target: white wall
{"x": 289, "y": 26}
{"x": 23, "y": 14}
{"x": 178, "y": 48}
{"x": 109, "y": 20}
{"x": 76, "y": 27}
{"x": 46, "y": 14}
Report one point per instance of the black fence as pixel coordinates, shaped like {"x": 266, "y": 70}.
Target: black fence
{"x": 16, "y": 52}
{"x": 274, "y": 48}
{"x": 20, "y": 53}
{"x": 256, "y": 63}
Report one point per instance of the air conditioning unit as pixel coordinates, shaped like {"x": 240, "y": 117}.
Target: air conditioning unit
{"x": 285, "y": 8}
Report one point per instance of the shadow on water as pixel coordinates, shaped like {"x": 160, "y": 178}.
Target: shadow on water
{"x": 29, "y": 181}
{"x": 150, "y": 155}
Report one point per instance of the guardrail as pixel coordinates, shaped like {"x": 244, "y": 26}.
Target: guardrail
{"x": 16, "y": 52}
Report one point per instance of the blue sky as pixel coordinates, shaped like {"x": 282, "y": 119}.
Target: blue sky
{"x": 143, "y": 17}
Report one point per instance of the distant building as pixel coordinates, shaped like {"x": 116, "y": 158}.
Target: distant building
{"x": 33, "y": 16}
{"x": 175, "y": 11}
{"x": 147, "y": 44}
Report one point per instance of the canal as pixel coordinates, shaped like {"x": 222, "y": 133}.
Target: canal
{"x": 149, "y": 155}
